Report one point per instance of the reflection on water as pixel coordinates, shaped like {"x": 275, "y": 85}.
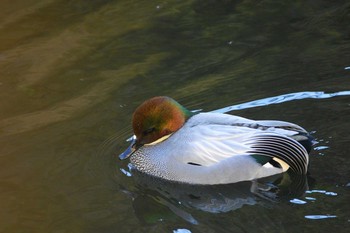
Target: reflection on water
{"x": 283, "y": 98}
{"x": 180, "y": 198}
{"x": 72, "y": 73}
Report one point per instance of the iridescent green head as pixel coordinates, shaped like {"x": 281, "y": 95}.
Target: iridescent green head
{"x": 157, "y": 118}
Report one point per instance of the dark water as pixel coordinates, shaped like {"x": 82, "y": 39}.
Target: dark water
{"x": 72, "y": 73}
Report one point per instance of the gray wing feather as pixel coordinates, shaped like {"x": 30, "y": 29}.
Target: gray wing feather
{"x": 281, "y": 147}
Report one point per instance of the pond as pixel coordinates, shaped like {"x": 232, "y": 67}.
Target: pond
{"x": 73, "y": 72}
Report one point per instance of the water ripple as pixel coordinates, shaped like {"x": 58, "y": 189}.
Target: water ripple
{"x": 182, "y": 231}
{"x": 283, "y": 98}
{"x": 323, "y": 192}
{"x": 312, "y": 199}
{"x": 297, "y": 201}
{"x": 319, "y": 216}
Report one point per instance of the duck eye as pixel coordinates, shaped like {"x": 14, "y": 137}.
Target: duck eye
{"x": 148, "y": 131}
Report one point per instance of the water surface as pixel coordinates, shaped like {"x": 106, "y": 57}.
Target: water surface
{"x": 72, "y": 73}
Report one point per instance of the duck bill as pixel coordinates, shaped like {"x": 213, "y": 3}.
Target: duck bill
{"x": 126, "y": 154}
{"x": 130, "y": 150}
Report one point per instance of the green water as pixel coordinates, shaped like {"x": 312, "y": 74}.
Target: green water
{"x": 72, "y": 73}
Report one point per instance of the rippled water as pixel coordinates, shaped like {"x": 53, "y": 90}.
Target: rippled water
{"x": 72, "y": 73}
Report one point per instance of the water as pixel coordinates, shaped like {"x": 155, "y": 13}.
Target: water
{"x": 72, "y": 73}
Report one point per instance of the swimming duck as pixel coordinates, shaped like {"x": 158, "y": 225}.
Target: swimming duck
{"x": 176, "y": 144}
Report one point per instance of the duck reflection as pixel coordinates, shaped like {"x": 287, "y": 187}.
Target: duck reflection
{"x": 158, "y": 200}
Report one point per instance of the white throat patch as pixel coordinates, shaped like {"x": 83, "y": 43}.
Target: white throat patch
{"x": 159, "y": 140}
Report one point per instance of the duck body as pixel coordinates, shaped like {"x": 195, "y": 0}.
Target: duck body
{"x": 215, "y": 148}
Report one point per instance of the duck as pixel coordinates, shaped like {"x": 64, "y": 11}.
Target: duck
{"x": 175, "y": 144}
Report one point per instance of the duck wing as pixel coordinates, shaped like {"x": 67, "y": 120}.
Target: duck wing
{"x": 265, "y": 141}
{"x": 280, "y": 147}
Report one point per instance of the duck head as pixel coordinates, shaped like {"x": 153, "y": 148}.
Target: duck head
{"x": 154, "y": 121}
